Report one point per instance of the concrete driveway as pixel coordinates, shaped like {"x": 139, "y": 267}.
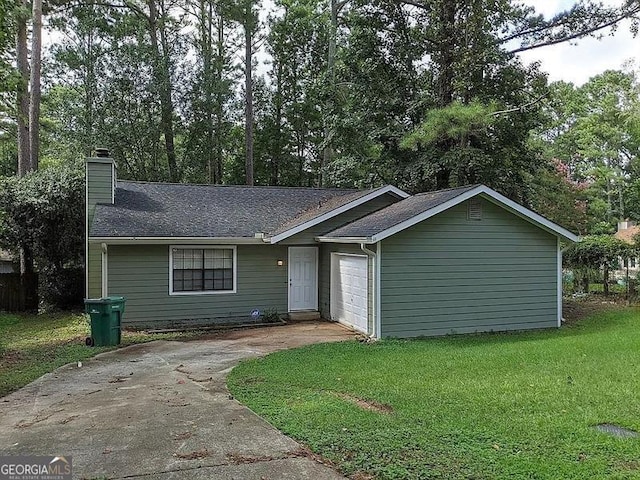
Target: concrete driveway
{"x": 161, "y": 410}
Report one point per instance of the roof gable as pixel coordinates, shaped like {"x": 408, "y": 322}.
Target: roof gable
{"x": 415, "y": 209}
{"x": 331, "y": 209}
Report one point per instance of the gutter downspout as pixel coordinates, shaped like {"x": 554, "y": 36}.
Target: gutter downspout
{"x": 105, "y": 270}
{"x": 371, "y": 254}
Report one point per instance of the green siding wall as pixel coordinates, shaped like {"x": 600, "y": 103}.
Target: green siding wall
{"x": 99, "y": 184}
{"x": 452, "y": 275}
{"x": 94, "y": 271}
{"x": 308, "y": 236}
{"x": 324, "y": 280}
{"x": 99, "y": 177}
{"x": 141, "y": 274}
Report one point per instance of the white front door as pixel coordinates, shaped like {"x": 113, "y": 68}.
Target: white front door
{"x": 303, "y": 278}
{"x": 349, "y": 290}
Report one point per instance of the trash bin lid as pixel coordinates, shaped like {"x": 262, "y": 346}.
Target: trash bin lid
{"x": 89, "y": 301}
{"x": 104, "y": 300}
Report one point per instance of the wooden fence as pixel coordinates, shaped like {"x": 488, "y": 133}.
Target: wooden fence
{"x": 18, "y": 294}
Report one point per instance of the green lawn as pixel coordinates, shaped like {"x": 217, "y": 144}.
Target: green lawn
{"x": 31, "y": 345}
{"x": 516, "y": 405}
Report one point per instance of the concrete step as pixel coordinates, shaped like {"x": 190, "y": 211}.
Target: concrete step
{"x": 304, "y": 315}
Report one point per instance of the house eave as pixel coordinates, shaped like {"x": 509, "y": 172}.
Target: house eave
{"x": 177, "y": 240}
{"x": 365, "y": 240}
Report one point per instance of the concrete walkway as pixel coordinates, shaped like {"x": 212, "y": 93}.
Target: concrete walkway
{"x": 161, "y": 410}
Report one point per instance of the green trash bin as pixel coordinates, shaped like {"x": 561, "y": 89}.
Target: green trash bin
{"x": 106, "y": 318}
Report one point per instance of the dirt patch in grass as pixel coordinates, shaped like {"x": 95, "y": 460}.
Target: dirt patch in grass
{"x": 370, "y": 405}
{"x": 253, "y": 380}
{"x": 631, "y": 465}
{"x": 575, "y": 310}
{"x": 361, "y": 476}
{"x": 11, "y": 357}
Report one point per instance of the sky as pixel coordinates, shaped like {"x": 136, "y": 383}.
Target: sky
{"x": 577, "y": 63}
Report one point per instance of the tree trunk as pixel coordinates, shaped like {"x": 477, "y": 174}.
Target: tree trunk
{"x": 22, "y": 123}
{"x": 277, "y": 150}
{"x": 219, "y": 96}
{"x": 206, "y": 35}
{"x": 627, "y": 278}
{"x": 621, "y": 213}
{"x": 22, "y": 94}
{"x": 446, "y": 52}
{"x": 163, "y": 80}
{"x": 90, "y": 94}
{"x": 605, "y": 280}
{"x": 36, "y": 64}
{"x": 248, "y": 86}
{"x": 445, "y": 72}
{"x": 327, "y": 151}
{"x": 585, "y": 283}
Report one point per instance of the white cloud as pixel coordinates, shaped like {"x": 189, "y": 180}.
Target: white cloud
{"x": 586, "y": 58}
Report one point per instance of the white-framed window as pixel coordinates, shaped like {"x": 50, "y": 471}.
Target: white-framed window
{"x": 202, "y": 269}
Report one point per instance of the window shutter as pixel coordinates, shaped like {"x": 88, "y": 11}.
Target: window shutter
{"x": 474, "y": 209}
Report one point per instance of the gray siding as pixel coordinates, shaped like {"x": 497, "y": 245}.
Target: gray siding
{"x": 452, "y": 275}
{"x": 308, "y": 236}
{"x": 99, "y": 190}
{"x": 141, "y": 274}
{"x": 324, "y": 280}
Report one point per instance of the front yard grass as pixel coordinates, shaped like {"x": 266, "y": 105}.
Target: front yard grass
{"x": 32, "y": 345}
{"x": 519, "y": 405}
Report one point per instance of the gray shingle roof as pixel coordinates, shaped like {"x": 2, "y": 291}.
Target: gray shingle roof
{"x": 397, "y": 213}
{"x": 317, "y": 210}
{"x": 180, "y": 210}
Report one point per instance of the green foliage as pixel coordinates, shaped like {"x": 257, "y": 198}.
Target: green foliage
{"x": 560, "y": 199}
{"x": 456, "y": 123}
{"x": 595, "y": 251}
{"x": 7, "y": 77}
{"x": 43, "y": 213}
{"x": 160, "y": 83}
{"x": 271, "y": 316}
{"x": 519, "y": 405}
{"x": 290, "y": 131}
{"x": 592, "y": 130}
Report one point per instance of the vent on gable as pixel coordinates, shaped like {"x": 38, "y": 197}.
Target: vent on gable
{"x": 474, "y": 209}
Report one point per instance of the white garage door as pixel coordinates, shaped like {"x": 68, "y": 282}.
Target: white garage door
{"x": 349, "y": 290}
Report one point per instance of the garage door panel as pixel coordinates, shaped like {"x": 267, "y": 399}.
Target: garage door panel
{"x": 349, "y": 303}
